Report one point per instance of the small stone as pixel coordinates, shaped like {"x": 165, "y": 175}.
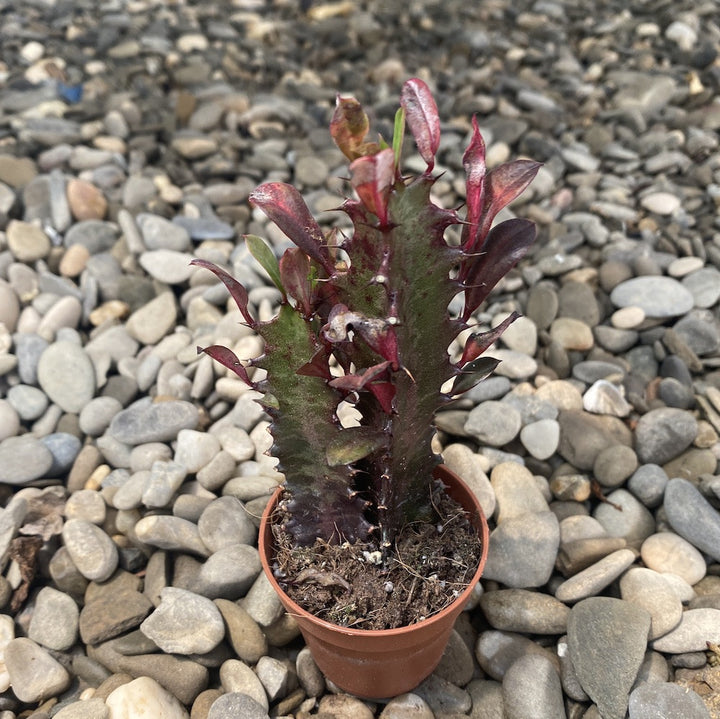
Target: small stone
{"x": 92, "y": 551}
{"x": 407, "y": 706}
{"x": 669, "y": 553}
{"x": 159, "y": 233}
{"x": 516, "y": 491}
{"x": 27, "y": 242}
{"x": 244, "y": 634}
{"x": 596, "y": 577}
{"x": 173, "y": 533}
{"x": 195, "y": 449}
{"x": 665, "y": 700}
{"x": 623, "y": 516}
{"x": 86, "y": 201}
{"x": 442, "y": 696}
{"x": 541, "y": 438}
{"x": 661, "y": 203}
{"x": 613, "y": 465}
{"x": 531, "y": 687}
{"x": 54, "y": 623}
{"x": 693, "y": 517}
{"x": 697, "y": 627}
{"x": 229, "y": 572}
{"x": 572, "y": 334}
{"x": 147, "y": 421}
{"x": 237, "y": 704}
{"x": 34, "y": 675}
{"x": 225, "y": 522}
{"x": 112, "y": 612}
{"x": 606, "y": 641}
{"x": 23, "y": 459}
{"x": 648, "y": 484}
{"x": 153, "y": 321}
{"x": 66, "y": 374}
{"x": 262, "y": 602}
{"x": 184, "y": 623}
{"x": 604, "y": 397}
{"x": 519, "y": 610}
{"x": 144, "y": 697}
{"x": 236, "y": 676}
{"x": 493, "y": 423}
{"x": 496, "y": 651}
{"x": 628, "y": 318}
{"x": 657, "y": 296}
{"x": 650, "y": 590}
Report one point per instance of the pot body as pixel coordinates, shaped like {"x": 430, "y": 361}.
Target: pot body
{"x": 378, "y": 664}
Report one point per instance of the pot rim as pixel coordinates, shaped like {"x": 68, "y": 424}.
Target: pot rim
{"x": 295, "y": 609}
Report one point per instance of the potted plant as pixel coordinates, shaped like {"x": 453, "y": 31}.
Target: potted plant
{"x": 364, "y": 323}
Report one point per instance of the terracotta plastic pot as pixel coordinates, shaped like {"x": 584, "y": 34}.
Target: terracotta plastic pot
{"x": 378, "y": 664}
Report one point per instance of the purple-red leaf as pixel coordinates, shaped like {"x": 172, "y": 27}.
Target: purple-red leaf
{"x": 475, "y": 169}
{"x": 356, "y": 382}
{"x": 505, "y": 246}
{"x": 348, "y": 126}
{"x": 478, "y": 342}
{"x": 237, "y": 291}
{"x": 227, "y": 358}
{"x": 422, "y": 117}
{"x": 502, "y": 185}
{"x": 385, "y": 394}
{"x": 318, "y": 366}
{"x": 295, "y": 277}
{"x": 284, "y": 205}
{"x": 372, "y": 177}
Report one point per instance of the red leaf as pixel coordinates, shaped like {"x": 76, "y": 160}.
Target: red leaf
{"x": 284, "y": 205}
{"x": 385, "y": 394}
{"x": 478, "y": 342}
{"x": 372, "y": 177}
{"x": 318, "y": 366}
{"x": 356, "y": 382}
{"x": 502, "y": 185}
{"x": 348, "y": 126}
{"x": 237, "y": 291}
{"x": 295, "y": 276}
{"x": 505, "y": 246}
{"x": 422, "y": 117}
{"x": 227, "y": 358}
{"x": 475, "y": 169}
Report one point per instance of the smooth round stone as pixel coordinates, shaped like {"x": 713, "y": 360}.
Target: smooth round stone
{"x": 649, "y": 589}
{"x": 246, "y": 488}
{"x": 657, "y": 296}
{"x": 164, "y": 481}
{"x": 66, "y": 312}
{"x": 144, "y": 697}
{"x": 34, "y": 674}
{"x": 172, "y": 533}
{"x": 96, "y": 415}
{"x": 607, "y": 639}
{"x": 9, "y": 420}
{"x": 230, "y": 572}
{"x": 596, "y": 577}
{"x": 662, "y": 434}
{"x": 630, "y": 519}
{"x": 542, "y": 305}
{"x": 661, "y": 203}
{"x": 167, "y": 266}
{"x": 514, "y": 365}
{"x": 692, "y": 516}
{"x": 86, "y": 201}
{"x": 523, "y": 550}
{"x": 29, "y": 402}
{"x": 697, "y": 627}
{"x": 699, "y": 332}
{"x": 67, "y": 375}
{"x": 497, "y": 651}
{"x": 590, "y": 371}
{"x": 572, "y": 334}
{"x": 161, "y": 234}
{"x": 86, "y": 504}
{"x": 154, "y": 320}
{"x": 704, "y": 285}
{"x": 627, "y": 318}
{"x": 519, "y": 610}
{"x": 262, "y": 602}
{"x": 205, "y": 228}
{"x": 243, "y": 632}
{"x": 54, "y": 622}
{"x": 93, "y": 708}
{"x": 684, "y": 266}
{"x": 236, "y": 676}
{"x": 615, "y": 340}
{"x": 670, "y": 553}
{"x": 184, "y": 623}
{"x": 493, "y": 423}
{"x": 27, "y": 242}
{"x": 520, "y": 336}
{"x": 604, "y": 397}
{"x": 9, "y": 306}
{"x": 310, "y": 677}
{"x": 584, "y": 435}
{"x": 648, "y": 484}
{"x": 666, "y": 700}
{"x": 531, "y": 687}
{"x": 407, "y": 706}
{"x": 23, "y": 459}
{"x": 91, "y": 550}
{"x": 225, "y": 522}
{"x": 613, "y": 465}
{"x": 561, "y": 394}
{"x": 195, "y": 449}
{"x": 469, "y": 465}
{"x": 64, "y": 448}
{"x": 237, "y": 704}
{"x": 541, "y": 438}
{"x": 516, "y": 491}
{"x": 456, "y": 664}
{"x": 147, "y": 421}
{"x": 580, "y": 526}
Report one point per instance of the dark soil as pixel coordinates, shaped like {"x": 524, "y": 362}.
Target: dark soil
{"x": 351, "y": 585}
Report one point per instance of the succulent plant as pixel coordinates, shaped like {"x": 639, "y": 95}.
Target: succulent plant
{"x": 364, "y": 320}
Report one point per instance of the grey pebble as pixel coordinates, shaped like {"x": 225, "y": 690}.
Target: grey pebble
{"x": 225, "y": 522}
{"x": 23, "y": 459}
{"x": 237, "y": 704}
{"x": 262, "y": 602}
{"x": 516, "y": 491}
{"x": 606, "y": 642}
{"x": 668, "y": 701}
{"x": 164, "y": 480}
{"x": 493, "y": 423}
{"x": 96, "y": 415}
{"x": 662, "y": 434}
{"x": 92, "y": 708}
{"x": 91, "y": 550}
{"x": 519, "y": 610}
{"x": 236, "y": 676}
{"x": 693, "y": 517}
{"x": 668, "y": 552}
{"x": 658, "y": 296}
{"x": 531, "y": 687}
{"x": 648, "y": 484}
{"x": 148, "y": 421}
{"x": 172, "y": 533}
{"x": 66, "y": 374}
{"x": 697, "y": 627}
{"x": 184, "y": 623}
{"x": 650, "y": 590}
{"x": 230, "y": 572}
{"x": 29, "y": 402}
{"x": 34, "y": 674}
{"x": 64, "y": 448}
{"x": 623, "y": 516}
{"x": 496, "y": 651}
{"x": 596, "y": 577}
{"x": 54, "y": 622}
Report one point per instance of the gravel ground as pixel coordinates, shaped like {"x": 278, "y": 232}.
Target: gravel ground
{"x": 132, "y": 472}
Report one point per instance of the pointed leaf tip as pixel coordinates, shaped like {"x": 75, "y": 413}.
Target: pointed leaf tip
{"x": 227, "y": 358}
{"x": 422, "y": 117}
{"x": 372, "y": 177}
{"x": 237, "y": 291}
